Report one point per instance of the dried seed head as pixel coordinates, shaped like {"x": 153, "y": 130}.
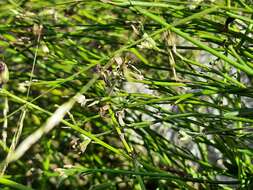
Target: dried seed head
{"x": 2, "y": 67}
{"x": 37, "y": 29}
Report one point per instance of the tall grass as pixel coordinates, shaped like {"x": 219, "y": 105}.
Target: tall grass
{"x": 125, "y": 94}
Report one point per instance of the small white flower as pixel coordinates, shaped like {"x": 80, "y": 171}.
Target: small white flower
{"x": 184, "y": 138}
{"x": 22, "y": 87}
{"x": 44, "y": 48}
{"x": 148, "y": 43}
{"x": 81, "y": 99}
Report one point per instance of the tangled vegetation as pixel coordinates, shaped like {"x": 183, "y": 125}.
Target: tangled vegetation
{"x": 126, "y": 94}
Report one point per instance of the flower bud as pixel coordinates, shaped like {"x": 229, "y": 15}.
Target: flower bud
{"x": 4, "y": 73}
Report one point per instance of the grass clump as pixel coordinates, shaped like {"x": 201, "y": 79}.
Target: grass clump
{"x": 117, "y": 94}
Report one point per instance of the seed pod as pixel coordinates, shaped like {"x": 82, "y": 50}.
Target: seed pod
{"x": 4, "y": 73}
